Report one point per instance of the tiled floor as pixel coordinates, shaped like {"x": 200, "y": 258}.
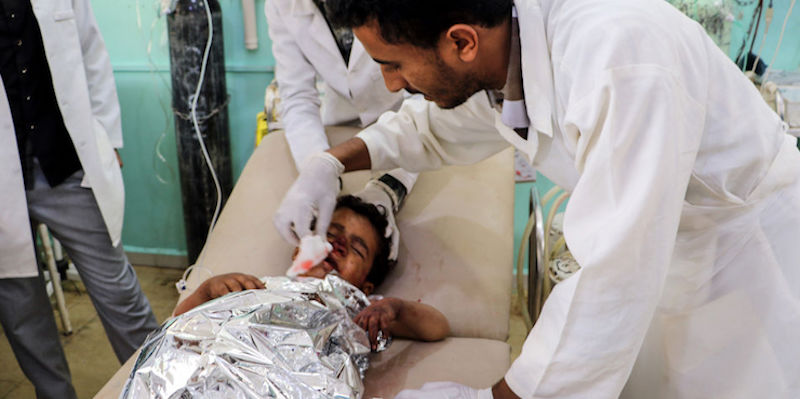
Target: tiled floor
{"x": 90, "y": 357}
{"x": 91, "y": 360}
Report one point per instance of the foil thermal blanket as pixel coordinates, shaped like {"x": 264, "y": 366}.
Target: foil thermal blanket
{"x": 295, "y": 339}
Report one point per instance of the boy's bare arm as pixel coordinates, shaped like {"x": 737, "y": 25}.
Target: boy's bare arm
{"x": 216, "y": 287}
{"x": 420, "y": 321}
{"x": 191, "y": 301}
{"x": 407, "y": 319}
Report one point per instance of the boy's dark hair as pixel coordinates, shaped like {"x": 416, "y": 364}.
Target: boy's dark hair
{"x": 417, "y": 22}
{"x": 377, "y": 218}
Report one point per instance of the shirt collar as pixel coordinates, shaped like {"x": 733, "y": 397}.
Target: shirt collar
{"x": 537, "y": 71}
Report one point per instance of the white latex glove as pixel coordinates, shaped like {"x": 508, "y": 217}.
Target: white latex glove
{"x": 313, "y": 195}
{"x": 376, "y": 193}
{"x": 445, "y": 390}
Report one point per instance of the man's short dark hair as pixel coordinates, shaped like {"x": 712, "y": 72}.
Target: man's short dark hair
{"x": 377, "y": 218}
{"x": 417, "y": 22}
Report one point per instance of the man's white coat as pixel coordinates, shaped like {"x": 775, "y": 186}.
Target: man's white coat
{"x": 684, "y": 214}
{"x": 86, "y": 94}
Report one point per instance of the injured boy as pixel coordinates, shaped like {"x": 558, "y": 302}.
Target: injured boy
{"x": 280, "y": 337}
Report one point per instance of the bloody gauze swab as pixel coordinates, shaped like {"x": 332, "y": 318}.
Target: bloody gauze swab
{"x": 313, "y": 250}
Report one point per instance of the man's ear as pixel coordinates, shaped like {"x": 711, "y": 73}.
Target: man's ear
{"x": 463, "y": 39}
{"x": 367, "y": 288}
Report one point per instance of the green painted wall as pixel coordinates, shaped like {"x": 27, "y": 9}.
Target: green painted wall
{"x": 137, "y": 44}
{"x": 789, "y": 54}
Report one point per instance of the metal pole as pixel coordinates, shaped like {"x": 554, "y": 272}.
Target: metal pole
{"x": 55, "y": 279}
{"x": 188, "y": 32}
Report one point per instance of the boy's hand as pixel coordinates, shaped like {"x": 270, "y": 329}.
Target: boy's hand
{"x": 218, "y": 286}
{"x": 378, "y": 317}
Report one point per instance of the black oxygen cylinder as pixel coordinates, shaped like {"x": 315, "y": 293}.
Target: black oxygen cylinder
{"x": 187, "y": 25}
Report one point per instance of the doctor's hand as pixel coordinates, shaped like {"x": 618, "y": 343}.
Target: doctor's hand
{"x": 445, "y": 390}
{"x": 378, "y": 194}
{"x": 311, "y": 197}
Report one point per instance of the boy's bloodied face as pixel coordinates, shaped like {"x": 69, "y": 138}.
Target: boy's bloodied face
{"x": 355, "y": 244}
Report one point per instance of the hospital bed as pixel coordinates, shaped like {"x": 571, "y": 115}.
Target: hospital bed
{"x": 456, "y": 254}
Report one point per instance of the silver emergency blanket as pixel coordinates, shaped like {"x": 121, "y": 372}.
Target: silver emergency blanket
{"x": 295, "y": 339}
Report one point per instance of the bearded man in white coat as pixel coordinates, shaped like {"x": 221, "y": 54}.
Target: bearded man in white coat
{"x": 685, "y": 206}
{"x": 59, "y": 127}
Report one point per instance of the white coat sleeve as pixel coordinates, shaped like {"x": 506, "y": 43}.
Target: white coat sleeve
{"x": 639, "y": 132}
{"x": 99, "y": 74}
{"x": 421, "y": 136}
{"x": 300, "y": 103}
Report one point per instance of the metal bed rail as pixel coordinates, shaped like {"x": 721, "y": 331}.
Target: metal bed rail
{"x": 534, "y": 290}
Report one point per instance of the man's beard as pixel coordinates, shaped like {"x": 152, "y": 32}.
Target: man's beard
{"x": 454, "y": 89}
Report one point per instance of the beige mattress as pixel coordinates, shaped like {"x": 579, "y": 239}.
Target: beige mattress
{"x": 456, "y": 254}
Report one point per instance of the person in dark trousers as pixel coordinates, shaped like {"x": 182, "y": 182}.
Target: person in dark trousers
{"x": 59, "y": 130}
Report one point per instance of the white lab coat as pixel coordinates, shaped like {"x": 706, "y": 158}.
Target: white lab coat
{"x": 304, "y": 47}
{"x": 86, "y": 94}
{"x": 685, "y": 207}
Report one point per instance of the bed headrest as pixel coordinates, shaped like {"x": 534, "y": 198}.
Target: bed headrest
{"x": 456, "y": 234}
